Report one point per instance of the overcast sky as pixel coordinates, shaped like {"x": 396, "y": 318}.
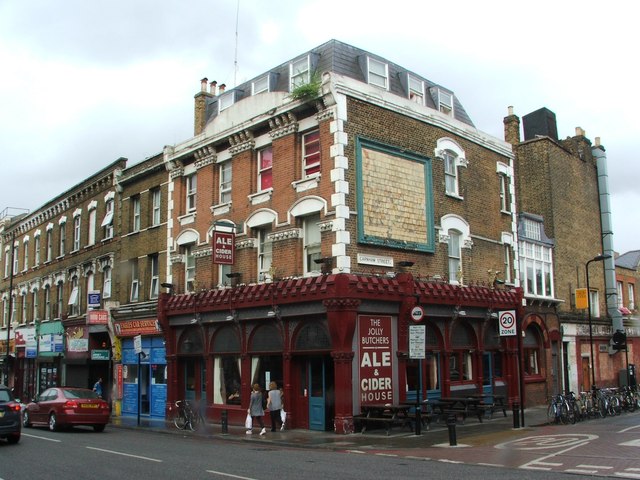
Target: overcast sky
{"x": 83, "y": 83}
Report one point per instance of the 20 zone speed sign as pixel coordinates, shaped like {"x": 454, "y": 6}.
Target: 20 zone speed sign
{"x": 507, "y": 320}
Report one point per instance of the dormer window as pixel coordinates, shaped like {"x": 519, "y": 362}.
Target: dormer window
{"x": 225, "y": 101}
{"x": 299, "y": 73}
{"x": 260, "y": 85}
{"x": 445, "y": 102}
{"x": 378, "y": 73}
{"x": 416, "y": 90}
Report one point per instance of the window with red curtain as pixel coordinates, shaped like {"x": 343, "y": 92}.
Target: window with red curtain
{"x": 265, "y": 163}
{"x": 311, "y": 153}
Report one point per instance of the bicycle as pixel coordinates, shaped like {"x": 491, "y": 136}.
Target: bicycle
{"x": 559, "y": 411}
{"x": 184, "y": 416}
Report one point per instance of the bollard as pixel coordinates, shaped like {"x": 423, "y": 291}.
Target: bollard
{"x": 224, "y": 421}
{"x": 516, "y": 415}
{"x": 451, "y": 425}
{"x": 418, "y": 430}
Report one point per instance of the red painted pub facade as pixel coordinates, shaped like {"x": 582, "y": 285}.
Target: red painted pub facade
{"x": 336, "y": 342}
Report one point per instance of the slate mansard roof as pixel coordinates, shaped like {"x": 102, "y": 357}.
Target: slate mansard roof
{"x": 630, "y": 260}
{"x": 344, "y": 59}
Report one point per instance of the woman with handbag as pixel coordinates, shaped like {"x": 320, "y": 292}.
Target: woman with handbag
{"x": 255, "y": 409}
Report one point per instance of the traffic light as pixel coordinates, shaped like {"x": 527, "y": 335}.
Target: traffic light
{"x": 619, "y": 340}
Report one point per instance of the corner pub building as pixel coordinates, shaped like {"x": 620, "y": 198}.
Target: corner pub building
{"x": 315, "y": 207}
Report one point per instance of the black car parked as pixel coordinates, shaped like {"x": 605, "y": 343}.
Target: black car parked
{"x": 10, "y": 416}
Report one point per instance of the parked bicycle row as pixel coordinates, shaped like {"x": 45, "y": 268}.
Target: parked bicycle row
{"x": 570, "y": 408}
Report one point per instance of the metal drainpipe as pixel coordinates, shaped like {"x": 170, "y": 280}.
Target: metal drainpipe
{"x": 611, "y": 293}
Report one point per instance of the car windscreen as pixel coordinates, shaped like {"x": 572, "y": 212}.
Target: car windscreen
{"x": 5, "y": 396}
{"x": 70, "y": 393}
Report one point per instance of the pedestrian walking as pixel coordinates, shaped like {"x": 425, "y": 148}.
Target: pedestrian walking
{"x": 275, "y": 404}
{"x": 97, "y": 387}
{"x": 256, "y": 410}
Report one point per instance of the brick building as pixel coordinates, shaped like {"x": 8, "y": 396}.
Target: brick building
{"x": 61, "y": 251}
{"x": 315, "y": 208}
{"x": 142, "y": 266}
{"x": 563, "y": 226}
{"x": 94, "y": 252}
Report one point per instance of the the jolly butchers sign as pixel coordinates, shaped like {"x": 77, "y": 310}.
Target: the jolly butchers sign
{"x": 376, "y": 367}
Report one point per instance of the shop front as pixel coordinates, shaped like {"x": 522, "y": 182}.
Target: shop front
{"x": 141, "y": 378}
{"x": 336, "y": 343}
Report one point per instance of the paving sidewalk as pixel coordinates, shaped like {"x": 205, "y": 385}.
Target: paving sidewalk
{"x": 471, "y": 433}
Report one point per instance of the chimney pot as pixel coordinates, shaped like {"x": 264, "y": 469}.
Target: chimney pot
{"x": 510, "y": 110}
{"x": 222, "y": 87}
{"x": 203, "y": 84}
{"x": 597, "y": 140}
{"x": 579, "y": 131}
{"x": 212, "y": 86}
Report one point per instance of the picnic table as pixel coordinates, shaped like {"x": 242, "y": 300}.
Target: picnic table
{"x": 458, "y": 406}
{"x": 388, "y": 415}
{"x": 491, "y": 402}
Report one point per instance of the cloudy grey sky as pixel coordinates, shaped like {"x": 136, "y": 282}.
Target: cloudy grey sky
{"x": 83, "y": 83}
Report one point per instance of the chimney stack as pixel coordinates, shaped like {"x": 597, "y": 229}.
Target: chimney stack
{"x": 200, "y": 111}
{"x": 511, "y": 127}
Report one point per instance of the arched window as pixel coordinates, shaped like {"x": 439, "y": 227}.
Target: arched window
{"x": 453, "y": 156}
{"x": 532, "y": 350}
{"x": 461, "y": 361}
{"x": 226, "y": 366}
{"x": 266, "y": 356}
{"x": 313, "y": 336}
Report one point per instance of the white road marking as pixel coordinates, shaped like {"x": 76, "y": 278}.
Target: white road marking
{"x": 125, "y": 454}
{"x": 387, "y": 454}
{"x": 631, "y": 443}
{"x": 549, "y": 464}
{"x": 632, "y": 469}
{"x": 491, "y": 464}
{"x": 577, "y": 470}
{"x": 599, "y": 467}
{"x": 627, "y": 474}
{"x": 41, "y": 438}
{"x": 530, "y": 467}
{"x": 229, "y": 475}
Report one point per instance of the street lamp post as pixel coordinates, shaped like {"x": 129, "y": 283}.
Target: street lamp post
{"x": 597, "y": 258}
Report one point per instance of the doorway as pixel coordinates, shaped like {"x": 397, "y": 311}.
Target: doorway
{"x": 487, "y": 375}
{"x": 320, "y": 387}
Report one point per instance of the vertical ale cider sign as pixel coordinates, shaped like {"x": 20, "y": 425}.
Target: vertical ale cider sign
{"x": 223, "y": 248}
{"x": 376, "y": 368}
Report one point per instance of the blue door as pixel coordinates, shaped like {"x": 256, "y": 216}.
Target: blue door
{"x": 317, "y": 393}
{"x": 487, "y": 375}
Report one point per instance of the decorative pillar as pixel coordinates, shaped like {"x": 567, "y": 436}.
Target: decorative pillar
{"x": 342, "y": 314}
{"x": 287, "y": 388}
{"x": 343, "y": 420}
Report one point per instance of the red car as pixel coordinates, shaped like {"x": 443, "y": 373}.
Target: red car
{"x": 65, "y": 407}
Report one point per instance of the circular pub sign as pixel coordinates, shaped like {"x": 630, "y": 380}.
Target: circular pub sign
{"x": 417, "y": 313}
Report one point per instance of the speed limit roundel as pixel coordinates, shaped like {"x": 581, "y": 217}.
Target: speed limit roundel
{"x": 417, "y": 313}
{"x": 507, "y": 320}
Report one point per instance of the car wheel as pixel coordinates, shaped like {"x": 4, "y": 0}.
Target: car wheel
{"x": 99, "y": 427}
{"x": 26, "y": 421}
{"x": 13, "y": 439}
{"x": 53, "y": 424}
